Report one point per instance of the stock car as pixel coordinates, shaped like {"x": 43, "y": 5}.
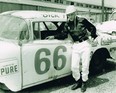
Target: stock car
{"x": 27, "y": 58}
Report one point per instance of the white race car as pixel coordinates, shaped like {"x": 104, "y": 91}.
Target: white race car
{"x": 108, "y": 27}
{"x": 28, "y": 59}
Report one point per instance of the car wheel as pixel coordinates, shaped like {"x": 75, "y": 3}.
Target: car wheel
{"x": 97, "y": 65}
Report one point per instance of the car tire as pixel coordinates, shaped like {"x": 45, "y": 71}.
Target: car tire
{"x": 97, "y": 66}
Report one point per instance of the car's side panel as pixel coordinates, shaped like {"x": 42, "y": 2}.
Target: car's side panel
{"x": 45, "y": 59}
{"x": 106, "y": 41}
{"x": 10, "y": 66}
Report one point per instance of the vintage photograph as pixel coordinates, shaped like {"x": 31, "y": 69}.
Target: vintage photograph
{"x": 57, "y": 46}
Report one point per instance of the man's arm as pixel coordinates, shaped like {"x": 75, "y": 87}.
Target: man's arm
{"x": 91, "y": 28}
{"x": 63, "y": 33}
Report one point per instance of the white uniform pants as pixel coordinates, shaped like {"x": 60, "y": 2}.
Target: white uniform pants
{"x": 81, "y": 53}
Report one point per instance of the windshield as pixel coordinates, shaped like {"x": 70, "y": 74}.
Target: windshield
{"x": 12, "y": 27}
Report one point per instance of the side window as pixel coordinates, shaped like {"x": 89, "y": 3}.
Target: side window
{"x": 51, "y": 26}
{"x": 42, "y": 26}
{"x": 48, "y": 29}
{"x": 41, "y": 30}
{"x": 36, "y": 30}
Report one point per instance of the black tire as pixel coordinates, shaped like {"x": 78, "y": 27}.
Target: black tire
{"x": 97, "y": 65}
{"x": 98, "y": 60}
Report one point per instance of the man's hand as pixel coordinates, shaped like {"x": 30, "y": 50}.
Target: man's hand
{"x": 90, "y": 39}
{"x": 50, "y": 37}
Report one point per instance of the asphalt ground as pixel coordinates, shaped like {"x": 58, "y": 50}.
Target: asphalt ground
{"x": 103, "y": 82}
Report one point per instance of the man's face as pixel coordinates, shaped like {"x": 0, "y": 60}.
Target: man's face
{"x": 71, "y": 16}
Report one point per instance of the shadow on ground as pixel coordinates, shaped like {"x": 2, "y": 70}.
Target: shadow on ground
{"x": 94, "y": 77}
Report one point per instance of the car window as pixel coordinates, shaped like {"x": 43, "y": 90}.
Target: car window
{"x": 36, "y": 30}
{"x": 50, "y": 25}
{"x": 43, "y": 29}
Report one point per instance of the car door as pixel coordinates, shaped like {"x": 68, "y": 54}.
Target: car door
{"x": 44, "y": 60}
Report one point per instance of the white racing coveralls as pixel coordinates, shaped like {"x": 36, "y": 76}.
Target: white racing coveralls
{"x": 81, "y": 53}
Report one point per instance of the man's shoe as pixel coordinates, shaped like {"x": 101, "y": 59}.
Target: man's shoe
{"x": 83, "y": 87}
{"x": 76, "y": 85}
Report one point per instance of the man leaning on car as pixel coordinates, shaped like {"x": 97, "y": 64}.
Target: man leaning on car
{"x": 77, "y": 28}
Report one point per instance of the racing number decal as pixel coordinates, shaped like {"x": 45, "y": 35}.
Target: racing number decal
{"x": 56, "y": 57}
{"x": 38, "y": 61}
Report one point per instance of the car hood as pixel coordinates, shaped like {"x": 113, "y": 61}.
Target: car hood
{"x": 107, "y": 27}
{"x": 8, "y": 50}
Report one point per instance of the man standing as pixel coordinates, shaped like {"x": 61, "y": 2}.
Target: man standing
{"x": 78, "y": 29}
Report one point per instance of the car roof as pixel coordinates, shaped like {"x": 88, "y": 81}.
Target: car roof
{"x": 37, "y": 15}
